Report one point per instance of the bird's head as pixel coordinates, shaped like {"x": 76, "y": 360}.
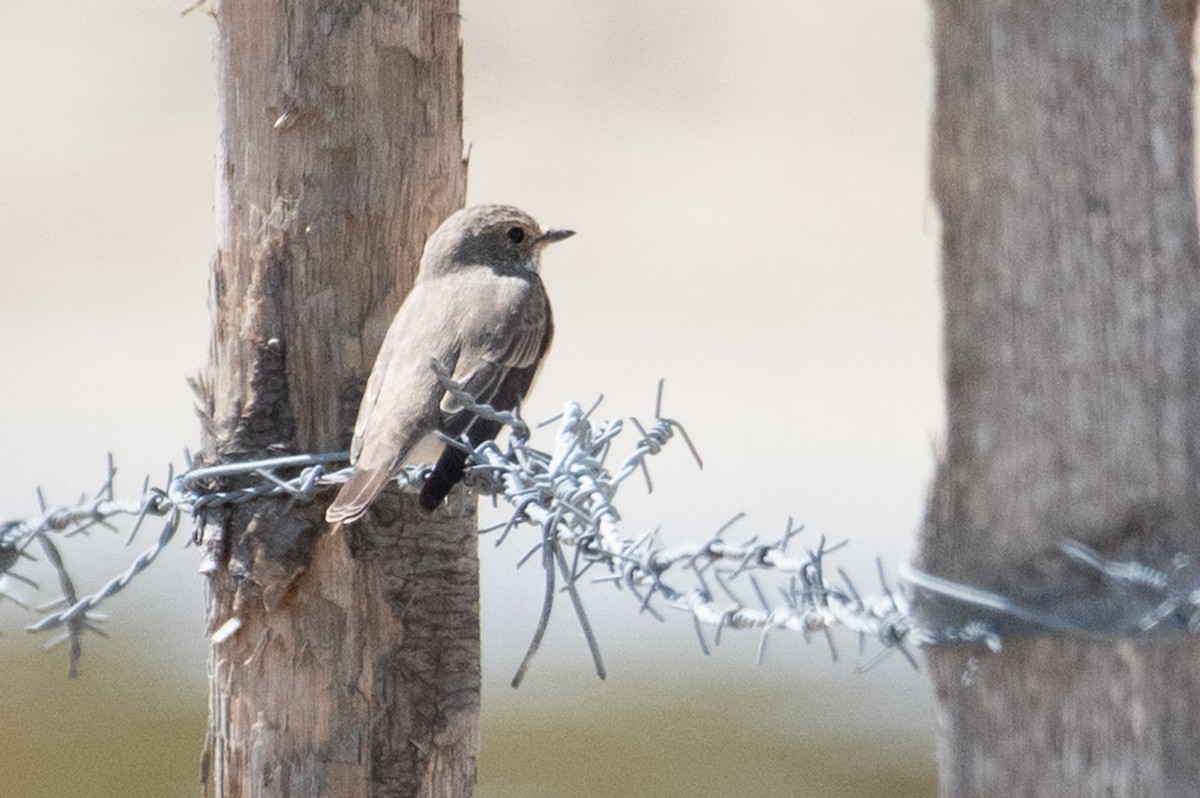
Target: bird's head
{"x": 500, "y": 237}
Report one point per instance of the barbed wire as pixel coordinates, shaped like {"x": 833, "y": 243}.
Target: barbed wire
{"x": 1134, "y": 599}
{"x": 188, "y": 493}
{"x": 569, "y": 496}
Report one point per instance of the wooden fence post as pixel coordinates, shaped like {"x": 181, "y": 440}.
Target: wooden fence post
{"x": 347, "y": 664}
{"x": 1063, "y": 170}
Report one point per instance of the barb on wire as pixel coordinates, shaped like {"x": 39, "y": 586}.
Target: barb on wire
{"x": 567, "y": 494}
{"x": 189, "y": 493}
{"x": 1131, "y": 599}
{"x": 512, "y": 419}
{"x": 16, "y": 537}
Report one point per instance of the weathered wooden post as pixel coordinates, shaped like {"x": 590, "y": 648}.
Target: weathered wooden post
{"x": 354, "y": 667}
{"x": 1063, "y": 170}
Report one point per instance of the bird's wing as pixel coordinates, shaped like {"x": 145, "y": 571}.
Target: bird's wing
{"x": 400, "y": 404}
{"x": 498, "y": 372}
{"x": 493, "y": 362}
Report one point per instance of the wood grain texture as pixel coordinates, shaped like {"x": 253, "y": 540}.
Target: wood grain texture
{"x": 355, "y": 671}
{"x": 1063, "y": 170}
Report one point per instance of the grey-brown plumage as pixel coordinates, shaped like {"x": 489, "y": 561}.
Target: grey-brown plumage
{"x": 478, "y": 307}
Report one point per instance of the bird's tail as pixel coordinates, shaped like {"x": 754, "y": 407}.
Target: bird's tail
{"x": 445, "y": 475}
{"x": 356, "y": 495}
{"x": 453, "y": 464}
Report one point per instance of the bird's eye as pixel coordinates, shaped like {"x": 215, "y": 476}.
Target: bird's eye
{"x": 516, "y": 235}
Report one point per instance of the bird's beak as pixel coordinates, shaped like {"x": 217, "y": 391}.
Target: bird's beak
{"x": 550, "y": 236}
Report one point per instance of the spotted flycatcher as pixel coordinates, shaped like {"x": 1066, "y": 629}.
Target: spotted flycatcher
{"x": 478, "y": 308}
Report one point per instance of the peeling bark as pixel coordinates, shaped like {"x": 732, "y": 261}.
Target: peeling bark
{"x": 355, "y": 668}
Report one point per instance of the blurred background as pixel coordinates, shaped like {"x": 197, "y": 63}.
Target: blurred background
{"x": 749, "y": 184}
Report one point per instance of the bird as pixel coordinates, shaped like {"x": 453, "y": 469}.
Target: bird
{"x": 478, "y": 309}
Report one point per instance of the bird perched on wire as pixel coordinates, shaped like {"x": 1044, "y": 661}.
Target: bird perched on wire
{"x": 478, "y": 308}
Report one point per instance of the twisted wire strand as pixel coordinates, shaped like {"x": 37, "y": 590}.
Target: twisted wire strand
{"x": 569, "y": 496}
